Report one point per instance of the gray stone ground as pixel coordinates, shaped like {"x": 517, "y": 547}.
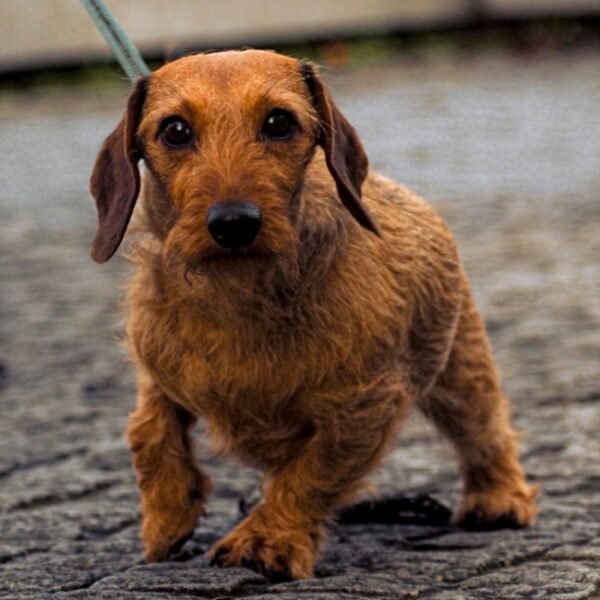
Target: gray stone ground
{"x": 509, "y": 151}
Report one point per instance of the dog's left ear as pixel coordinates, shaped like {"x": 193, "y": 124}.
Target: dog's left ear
{"x": 115, "y": 181}
{"x": 344, "y": 153}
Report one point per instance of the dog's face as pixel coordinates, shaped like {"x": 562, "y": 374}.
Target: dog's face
{"x": 230, "y": 136}
{"x": 226, "y": 138}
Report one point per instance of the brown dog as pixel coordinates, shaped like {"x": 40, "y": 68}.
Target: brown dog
{"x": 260, "y": 304}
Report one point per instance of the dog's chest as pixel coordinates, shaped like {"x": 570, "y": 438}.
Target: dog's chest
{"x": 242, "y": 362}
{"x": 209, "y": 367}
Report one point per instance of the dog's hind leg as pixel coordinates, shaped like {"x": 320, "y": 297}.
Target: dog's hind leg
{"x": 468, "y": 406}
{"x": 173, "y": 489}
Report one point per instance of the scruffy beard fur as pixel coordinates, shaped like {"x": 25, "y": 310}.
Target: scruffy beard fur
{"x": 243, "y": 276}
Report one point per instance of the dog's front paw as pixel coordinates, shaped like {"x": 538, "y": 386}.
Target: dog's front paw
{"x": 279, "y": 555}
{"x": 166, "y": 528}
{"x": 498, "y": 508}
{"x": 160, "y": 547}
{"x": 159, "y": 544}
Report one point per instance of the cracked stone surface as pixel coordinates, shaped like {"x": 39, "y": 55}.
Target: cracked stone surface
{"x": 508, "y": 151}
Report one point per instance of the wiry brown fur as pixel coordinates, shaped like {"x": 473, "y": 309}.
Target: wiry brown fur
{"x": 304, "y": 353}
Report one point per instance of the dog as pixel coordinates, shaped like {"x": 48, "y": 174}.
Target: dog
{"x": 297, "y": 302}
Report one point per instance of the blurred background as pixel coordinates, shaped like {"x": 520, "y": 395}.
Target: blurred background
{"x": 43, "y": 33}
{"x": 488, "y": 108}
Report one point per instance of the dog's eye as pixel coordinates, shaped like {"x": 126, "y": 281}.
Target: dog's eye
{"x": 279, "y": 125}
{"x": 176, "y": 133}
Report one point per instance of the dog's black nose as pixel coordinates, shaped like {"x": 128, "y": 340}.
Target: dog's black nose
{"x": 233, "y": 224}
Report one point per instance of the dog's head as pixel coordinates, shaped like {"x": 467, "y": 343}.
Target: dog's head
{"x": 226, "y": 139}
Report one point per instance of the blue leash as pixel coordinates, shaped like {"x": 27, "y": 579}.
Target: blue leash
{"x": 127, "y": 54}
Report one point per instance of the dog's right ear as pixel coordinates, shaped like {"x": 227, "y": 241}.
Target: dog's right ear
{"x": 115, "y": 181}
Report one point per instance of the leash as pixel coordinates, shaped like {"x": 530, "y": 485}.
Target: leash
{"x": 127, "y": 54}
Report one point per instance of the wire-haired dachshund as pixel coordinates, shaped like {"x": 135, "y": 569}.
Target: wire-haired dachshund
{"x": 297, "y": 302}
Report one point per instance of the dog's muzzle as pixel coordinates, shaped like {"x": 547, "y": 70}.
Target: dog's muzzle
{"x": 233, "y": 224}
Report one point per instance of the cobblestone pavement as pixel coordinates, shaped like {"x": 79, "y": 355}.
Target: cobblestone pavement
{"x": 509, "y": 151}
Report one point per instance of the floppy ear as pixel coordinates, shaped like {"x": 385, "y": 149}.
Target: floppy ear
{"x": 344, "y": 152}
{"x": 115, "y": 181}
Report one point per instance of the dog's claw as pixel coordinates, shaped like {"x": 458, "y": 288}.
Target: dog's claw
{"x": 254, "y": 565}
{"x": 217, "y": 558}
{"x": 473, "y": 521}
{"x": 275, "y": 576}
{"x": 178, "y": 545}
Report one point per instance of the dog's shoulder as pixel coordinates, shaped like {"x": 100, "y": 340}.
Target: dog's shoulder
{"x": 396, "y": 206}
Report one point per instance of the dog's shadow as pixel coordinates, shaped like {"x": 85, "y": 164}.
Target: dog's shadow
{"x": 403, "y": 510}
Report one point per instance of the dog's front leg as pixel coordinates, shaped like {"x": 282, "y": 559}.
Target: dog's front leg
{"x": 172, "y": 487}
{"x": 281, "y": 536}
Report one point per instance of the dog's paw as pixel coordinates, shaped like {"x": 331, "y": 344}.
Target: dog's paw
{"x": 165, "y": 532}
{"x": 498, "y": 508}
{"x": 159, "y": 548}
{"x": 276, "y": 554}
{"x": 170, "y": 513}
